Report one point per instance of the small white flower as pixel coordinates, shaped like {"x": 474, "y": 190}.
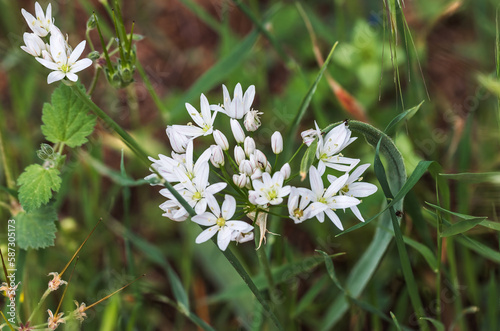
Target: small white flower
{"x": 187, "y": 167}
{"x": 239, "y": 154}
{"x": 240, "y": 105}
{"x": 252, "y": 120}
{"x": 246, "y": 168}
{"x": 217, "y": 157}
{"x": 173, "y": 210}
{"x": 194, "y": 192}
{"x": 286, "y": 171}
{"x": 221, "y": 140}
{"x": 204, "y": 120}
{"x": 277, "y": 142}
{"x": 270, "y": 190}
{"x": 299, "y": 205}
{"x": 322, "y": 198}
{"x": 354, "y": 188}
{"x": 237, "y": 130}
{"x": 330, "y": 146}
{"x": 249, "y": 146}
{"x": 220, "y": 221}
{"x": 64, "y": 61}
{"x": 241, "y": 237}
{"x": 34, "y": 45}
{"x": 260, "y": 159}
{"x": 308, "y": 136}
{"x": 42, "y": 24}
{"x": 178, "y": 140}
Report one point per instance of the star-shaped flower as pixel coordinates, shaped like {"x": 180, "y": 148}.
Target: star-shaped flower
{"x": 219, "y": 221}
{"x": 270, "y": 190}
{"x": 204, "y": 120}
{"x": 42, "y": 24}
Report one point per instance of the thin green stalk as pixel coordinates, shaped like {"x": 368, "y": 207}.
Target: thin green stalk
{"x": 452, "y": 261}
{"x": 11, "y": 184}
{"x": 89, "y": 40}
{"x": 144, "y": 158}
{"x": 93, "y": 84}
{"x": 439, "y": 239}
{"x": 42, "y": 299}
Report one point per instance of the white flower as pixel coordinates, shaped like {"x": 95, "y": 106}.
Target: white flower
{"x": 238, "y": 133}
{"x": 34, "y": 45}
{"x": 322, "y": 197}
{"x": 246, "y": 168}
{"x": 204, "y": 120}
{"x": 249, "y": 146}
{"x": 308, "y": 136}
{"x": 252, "y": 120}
{"x": 239, "y": 154}
{"x": 173, "y": 210}
{"x": 186, "y": 165}
{"x": 220, "y": 221}
{"x": 241, "y": 237}
{"x": 260, "y": 159}
{"x": 330, "y": 146}
{"x": 240, "y": 105}
{"x": 64, "y": 61}
{"x": 354, "y": 188}
{"x": 298, "y": 202}
{"x": 286, "y": 171}
{"x": 277, "y": 142}
{"x": 178, "y": 140}
{"x": 194, "y": 192}
{"x": 217, "y": 157}
{"x": 42, "y": 24}
{"x": 270, "y": 190}
{"x": 221, "y": 140}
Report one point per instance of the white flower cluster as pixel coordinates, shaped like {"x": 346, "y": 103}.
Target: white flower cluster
{"x": 57, "y": 54}
{"x": 256, "y": 185}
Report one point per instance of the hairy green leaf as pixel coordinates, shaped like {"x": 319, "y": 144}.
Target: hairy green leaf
{"x": 66, "y": 120}
{"x": 308, "y": 159}
{"x": 37, "y": 184}
{"x": 36, "y": 229}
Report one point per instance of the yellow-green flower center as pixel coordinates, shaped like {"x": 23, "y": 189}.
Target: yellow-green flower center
{"x": 221, "y": 221}
{"x": 64, "y": 68}
{"x": 322, "y": 200}
{"x": 298, "y": 213}
{"x": 197, "y": 196}
{"x": 345, "y": 189}
{"x": 272, "y": 194}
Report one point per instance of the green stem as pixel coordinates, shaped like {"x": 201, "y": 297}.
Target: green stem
{"x": 89, "y": 41}
{"x": 93, "y": 84}
{"x": 42, "y": 299}
{"x": 11, "y": 184}
{"x": 152, "y": 91}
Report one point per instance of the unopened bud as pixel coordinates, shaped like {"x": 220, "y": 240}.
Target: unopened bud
{"x": 238, "y": 133}
{"x": 249, "y": 145}
{"x": 277, "y": 142}
{"x": 239, "y": 154}
{"x": 92, "y": 22}
{"x": 286, "y": 171}
{"x": 221, "y": 140}
{"x": 94, "y": 56}
{"x": 246, "y": 167}
{"x": 240, "y": 180}
{"x": 217, "y": 157}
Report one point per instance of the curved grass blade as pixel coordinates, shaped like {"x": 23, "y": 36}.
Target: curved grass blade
{"x": 437, "y": 324}
{"x": 391, "y": 128}
{"x": 473, "y": 178}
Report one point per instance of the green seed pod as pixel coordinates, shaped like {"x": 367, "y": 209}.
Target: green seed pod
{"x": 94, "y": 55}
{"x": 92, "y": 22}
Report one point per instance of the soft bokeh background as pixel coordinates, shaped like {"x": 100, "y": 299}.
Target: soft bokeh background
{"x": 192, "y": 47}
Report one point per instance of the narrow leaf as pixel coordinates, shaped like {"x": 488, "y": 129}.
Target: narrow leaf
{"x": 485, "y": 177}
{"x": 390, "y": 129}
{"x": 308, "y": 159}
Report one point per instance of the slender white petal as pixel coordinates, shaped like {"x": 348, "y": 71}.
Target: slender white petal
{"x": 334, "y": 218}
{"x": 55, "y": 76}
{"x": 206, "y": 234}
{"x": 206, "y": 219}
{"x": 228, "y": 207}
{"x": 77, "y": 52}
{"x": 223, "y": 238}
{"x": 81, "y": 65}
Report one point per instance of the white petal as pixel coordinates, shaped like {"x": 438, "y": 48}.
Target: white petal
{"x": 357, "y": 173}
{"x": 48, "y": 64}
{"x": 316, "y": 181}
{"x": 213, "y": 204}
{"x": 336, "y": 185}
{"x": 194, "y": 114}
{"x": 201, "y": 178}
{"x": 206, "y": 219}
{"x": 205, "y": 109}
{"x": 321, "y": 217}
{"x": 224, "y": 238}
{"x": 75, "y": 55}
{"x": 215, "y": 188}
{"x": 201, "y": 206}
{"x": 248, "y": 97}
{"x": 206, "y": 234}
{"x": 239, "y": 226}
{"x": 334, "y": 218}
{"x": 81, "y": 65}
{"x": 55, "y": 76}
{"x": 71, "y": 76}
{"x": 361, "y": 190}
{"x": 343, "y": 201}
{"x": 357, "y": 213}
{"x": 228, "y": 207}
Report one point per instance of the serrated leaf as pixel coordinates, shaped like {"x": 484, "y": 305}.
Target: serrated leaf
{"x": 36, "y": 229}
{"x": 66, "y": 120}
{"x": 37, "y": 184}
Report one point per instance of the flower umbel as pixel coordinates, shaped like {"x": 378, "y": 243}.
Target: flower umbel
{"x": 56, "y": 282}
{"x": 54, "y": 321}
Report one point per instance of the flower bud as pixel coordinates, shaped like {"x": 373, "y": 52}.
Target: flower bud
{"x": 246, "y": 167}
{"x": 239, "y": 154}
{"x": 269, "y": 167}
{"x": 277, "y": 142}
{"x": 217, "y": 157}
{"x": 241, "y": 237}
{"x": 253, "y": 162}
{"x": 95, "y": 55}
{"x": 308, "y": 136}
{"x": 260, "y": 158}
{"x": 286, "y": 171}
{"x": 249, "y": 146}
{"x": 178, "y": 141}
{"x": 238, "y": 133}
{"x": 257, "y": 174}
{"x": 240, "y": 180}
{"x": 92, "y": 22}
{"x": 252, "y": 120}
{"x": 252, "y": 197}
{"x": 221, "y": 140}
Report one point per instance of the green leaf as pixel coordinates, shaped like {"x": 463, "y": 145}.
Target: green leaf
{"x": 37, "y": 184}
{"x": 463, "y": 226}
{"x": 437, "y": 324}
{"x": 406, "y": 114}
{"x": 308, "y": 159}
{"x": 484, "y": 177}
{"x": 424, "y": 250}
{"x": 66, "y": 120}
{"x": 36, "y": 229}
